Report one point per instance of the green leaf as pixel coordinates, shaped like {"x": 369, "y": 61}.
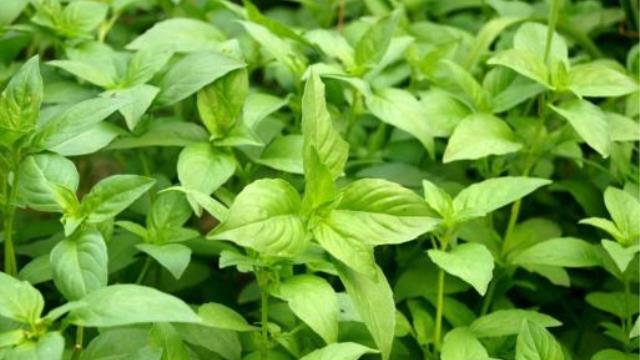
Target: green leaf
{"x": 589, "y": 122}
{"x": 524, "y": 63}
{"x": 624, "y": 209}
{"x": 484, "y": 197}
{"x": 193, "y": 72}
{"x": 348, "y": 249}
{"x": 10, "y": 10}
{"x": 179, "y": 35}
{"x": 565, "y": 252}
{"x": 140, "y": 99}
{"x": 314, "y": 301}
{"x": 380, "y": 212}
{"x": 332, "y": 44}
{"x": 79, "y": 264}
{"x": 536, "y": 343}
{"x": 19, "y": 301}
{"x": 76, "y": 120}
{"x": 401, "y": 109}
{"x": 279, "y": 49}
{"x": 222, "y": 317}
{"x": 443, "y": 110}
{"x": 606, "y": 225}
{"x": 145, "y": 64}
{"x": 173, "y": 257}
{"x": 339, "y": 351}
{"x": 617, "y": 303}
{"x": 220, "y": 104}
{"x": 265, "y": 217}
{"x": 611, "y": 354}
{"x": 37, "y": 173}
{"x": 126, "y": 304}
{"x": 508, "y": 322}
{"x": 224, "y": 343}
{"x": 112, "y": 195}
{"x": 438, "y": 199}
{"x": 471, "y": 262}
{"x": 462, "y": 85}
{"x": 318, "y": 129}
{"x": 169, "y": 210}
{"x": 596, "y": 79}
{"x": 620, "y": 255}
{"x": 532, "y": 38}
{"x": 478, "y": 136}
{"x": 374, "y": 43}
{"x": 373, "y": 300}
{"x": 212, "y": 206}
{"x": 203, "y": 168}
{"x": 81, "y": 17}
{"x": 320, "y": 189}
{"x": 48, "y": 347}
{"x": 486, "y": 35}
{"x": 20, "y": 103}
{"x": 88, "y": 141}
{"x": 460, "y": 344}
{"x": 284, "y": 153}
{"x": 120, "y": 344}
{"x": 166, "y": 337}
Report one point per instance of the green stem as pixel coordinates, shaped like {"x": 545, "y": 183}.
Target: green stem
{"x": 10, "y": 263}
{"x": 106, "y": 26}
{"x": 77, "y": 348}
{"x": 627, "y": 321}
{"x": 488, "y": 299}
{"x": 263, "y": 283}
{"x": 437, "y": 333}
{"x": 145, "y": 269}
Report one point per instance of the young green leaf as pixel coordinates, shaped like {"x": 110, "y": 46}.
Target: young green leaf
{"x": 19, "y": 301}
{"x": 401, "y": 109}
{"x": 173, "y": 257}
{"x": 222, "y": 317}
{"x": 536, "y": 343}
{"x": 220, "y": 104}
{"x": 265, "y": 216}
{"x": 524, "y": 63}
{"x": 76, "y": 120}
{"x": 373, "y": 299}
{"x": 145, "y": 64}
{"x": 37, "y": 173}
{"x": 178, "y": 35}
{"x": 620, "y": 255}
{"x": 589, "y": 122}
{"x": 471, "y": 262}
{"x": 126, "y": 304}
{"x": 565, "y": 252}
{"x": 484, "y": 197}
{"x": 374, "y": 43}
{"x": 48, "y": 347}
{"x": 318, "y": 129}
{"x": 112, "y": 195}
{"x": 380, "y": 212}
{"x": 20, "y": 103}
{"x": 461, "y": 344}
{"x": 478, "y": 136}
{"x": 596, "y": 79}
{"x": 79, "y": 264}
{"x": 314, "y": 301}
{"x": 193, "y": 72}
{"x": 624, "y": 209}
{"x": 617, "y": 303}
{"x": 203, "y": 168}
{"x": 508, "y": 322}
{"x": 339, "y": 351}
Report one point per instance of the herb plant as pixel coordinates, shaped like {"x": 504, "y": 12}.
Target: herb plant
{"x": 331, "y": 179}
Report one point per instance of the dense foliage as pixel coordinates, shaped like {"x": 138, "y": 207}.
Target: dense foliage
{"x": 319, "y": 179}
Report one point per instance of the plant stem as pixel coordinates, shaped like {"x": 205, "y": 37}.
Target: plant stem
{"x": 77, "y": 348}
{"x": 145, "y": 269}
{"x": 626, "y": 322}
{"x": 263, "y": 282}
{"x": 488, "y": 298}
{"x": 10, "y": 263}
{"x": 437, "y": 333}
